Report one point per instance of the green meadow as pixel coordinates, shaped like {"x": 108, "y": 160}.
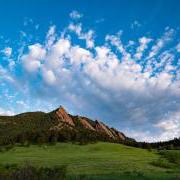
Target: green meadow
{"x": 97, "y": 161}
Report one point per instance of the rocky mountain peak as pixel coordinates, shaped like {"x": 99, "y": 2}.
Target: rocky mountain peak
{"x": 66, "y": 119}
{"x": 64, "y": 116}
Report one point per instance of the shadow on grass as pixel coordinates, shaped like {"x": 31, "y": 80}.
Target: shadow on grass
{"x": 125, "y": 176}
{"x": 29, "y": 172}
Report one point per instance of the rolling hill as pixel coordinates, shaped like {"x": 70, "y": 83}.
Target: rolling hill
{"x": 88, "y": 150}
{"x": 94, "y": 161}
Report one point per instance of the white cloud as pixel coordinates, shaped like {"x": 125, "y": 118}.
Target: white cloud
{"x": 79, "y": 55}
{"x": 11, "y": 64}
{"x": 135, "y": 24}
{"x": 6, "y": 75}
{"x": 49, "y": 76}
{"x": 22, "y": 104}
{"x": 143, "y": 45}
{"x": 161, "y": 42}
{"x": 31, "y": 65}
{"x": 77, "y": 28}
{"x": 7, "y": 51}
{"x": 141, "y": 135}
{"x": 116, "y": 41}
{"x": 8, "y": 54}
{"x": 32, "y": 60}
{"x": 87, "y": 36}
{"x": 170, "y": 126}
{"x": 51, "y": 36}
{"x": 61, "y": 47}
{"x": 4, "y": 112}
{"x": 37, "y": 51}
{"x": 178, "y": 47}
{"x": 75, "y": 15}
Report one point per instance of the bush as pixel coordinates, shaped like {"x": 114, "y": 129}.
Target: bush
{"x": 171, "y": 156}
{"x": 56, "y": 173}
{"x": 29, "y": 172}
{"x": 161, "y": 163}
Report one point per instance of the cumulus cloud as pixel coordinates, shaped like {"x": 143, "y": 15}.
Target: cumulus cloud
{"x": 32, "y": 60}
{"x": 49, "y": 76}
{"x": 106, "y": 81}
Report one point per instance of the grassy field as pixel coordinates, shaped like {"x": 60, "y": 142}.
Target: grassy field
{"x": 101, "y": 160}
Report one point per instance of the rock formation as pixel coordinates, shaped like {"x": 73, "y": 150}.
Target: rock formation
{"x": 67, "y": 120}
{"x": 62, "y": 115}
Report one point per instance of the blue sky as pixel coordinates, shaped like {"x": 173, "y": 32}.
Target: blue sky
{"x": 117, "y": 61}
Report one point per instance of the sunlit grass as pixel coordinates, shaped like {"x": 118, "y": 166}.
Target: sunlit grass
{"x": 92, "y": 159}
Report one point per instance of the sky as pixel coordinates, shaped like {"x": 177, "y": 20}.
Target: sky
{"x": 117, "y": 61}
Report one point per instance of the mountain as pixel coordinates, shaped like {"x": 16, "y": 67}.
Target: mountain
{"x": 57, "y": 125}
{"x": 85, "y": 123}
{"x": 60, "y": 126}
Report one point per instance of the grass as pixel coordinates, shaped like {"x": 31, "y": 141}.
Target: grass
{"x": 161, "y": 162}
{"x": 172, "y": 156}
{"x": 94, "y": 160}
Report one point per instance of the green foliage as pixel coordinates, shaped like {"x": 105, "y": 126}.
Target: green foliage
{"x": 161, "y": 163}
{"x": 32, "y": 127}
{"x": 30, "y": 172}
{"x": 101, "y": 159}
{"x": 40, "y": 128}
{"x": 172, "y": 156}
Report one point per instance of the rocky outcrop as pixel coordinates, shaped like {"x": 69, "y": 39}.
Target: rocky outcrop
{"x": 103, "y": 128}
{"x": 118, "y": 135}
{"x": 62, "y": 115}
{"x": 86, "y": 124}
{"x": 67, "y": 120}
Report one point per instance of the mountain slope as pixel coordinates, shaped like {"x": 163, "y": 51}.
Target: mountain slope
{"x": 57, "y": 125}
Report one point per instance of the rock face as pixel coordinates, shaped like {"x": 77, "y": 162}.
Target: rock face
{"x": 103, "y": 128}
{"x": 62, "y": 115}
{"x": 118, "y": 134}
{"x": 86, "y": 124}
{"x": 67, "y": 120}
{"x": 111, "y": 132}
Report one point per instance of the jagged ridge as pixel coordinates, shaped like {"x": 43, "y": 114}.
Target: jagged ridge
{"x": 58, "y": 124}
{"x": 97, "y": 126}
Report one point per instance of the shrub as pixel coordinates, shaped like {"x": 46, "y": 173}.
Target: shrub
{"x": 161, "y": 163}
{"x": 56, "y": 173}
{"x": 29, "y": 172}
{"x": 171, "y": 156}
